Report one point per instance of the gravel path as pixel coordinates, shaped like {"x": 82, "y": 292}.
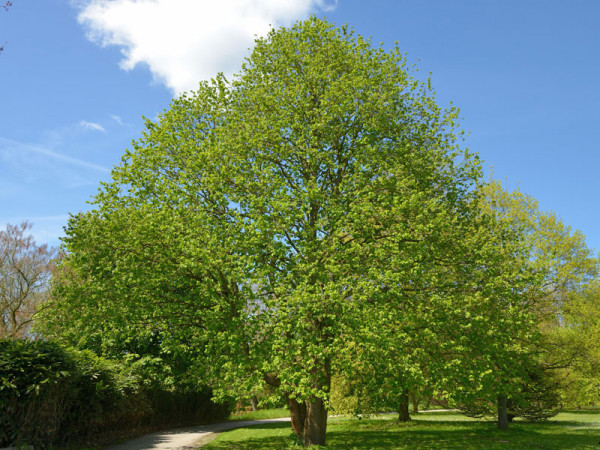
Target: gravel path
{"x": 187, "y": 438}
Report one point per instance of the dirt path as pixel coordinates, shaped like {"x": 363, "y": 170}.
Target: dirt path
{"x": 187, "y": 438}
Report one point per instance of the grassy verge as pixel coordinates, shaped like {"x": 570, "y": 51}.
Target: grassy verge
{"x": 262, "y": 414}
{"x": 435, "y": 430}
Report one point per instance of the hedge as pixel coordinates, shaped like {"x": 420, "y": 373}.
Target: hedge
{"x": 52, "y": 395}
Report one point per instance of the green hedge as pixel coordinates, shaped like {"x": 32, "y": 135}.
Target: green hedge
{"x": 53, "y": 395}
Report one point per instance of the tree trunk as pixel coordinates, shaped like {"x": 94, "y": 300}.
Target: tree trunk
{"x": 254, "y": 403}
{"x": 315, "y": 424}
{"x": 415, "y": 402}
{"x": 403, "y": 414}
{"x": 428, "y": 401}
{"x": 298, "y": 416}
{"x": 298, "y": 409}
{"x": 502, "y": 413}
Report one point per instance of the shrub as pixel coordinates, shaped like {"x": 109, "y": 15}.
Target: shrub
{"x": 33, "y": 390}
{"x": 348, "y": 398}
{"x": 55, "y": 395}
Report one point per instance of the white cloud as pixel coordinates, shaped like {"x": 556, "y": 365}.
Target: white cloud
{"x": 92, "y": 126}
{"x": 117, "y": 119}
{"x": 185, "y": 41}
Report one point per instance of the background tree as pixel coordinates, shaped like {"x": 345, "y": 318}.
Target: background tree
{"x": 581, "y": 331}
{"x": 467, "y": 317}
{"x": 563, "y": 265}
{"x": 25, "y": 270}
{"x": 276, "y": 222}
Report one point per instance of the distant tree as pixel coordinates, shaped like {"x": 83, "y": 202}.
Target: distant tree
{"x": 581, "y": 333}
{"x": 492, "y": 312}
{"x": 564, "y": 266}
{"x": 25, "y": 269}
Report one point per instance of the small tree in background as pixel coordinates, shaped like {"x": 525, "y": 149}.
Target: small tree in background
{"x": 25, "y": 269}
{"x": 565, "y": 267}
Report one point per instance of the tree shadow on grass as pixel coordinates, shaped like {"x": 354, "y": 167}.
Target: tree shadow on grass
{"x": 264, "y": 436}
{"x": 452, "y": 435}
{"x": 582, "y": 412}
{"x": 468, "y": 435}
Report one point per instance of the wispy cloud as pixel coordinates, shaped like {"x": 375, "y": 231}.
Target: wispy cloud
{"x": 117, "y": 119}
{"x": 9, "y": 147}
{"x": 185, "y": 41}
{"x": 92, "y": 126}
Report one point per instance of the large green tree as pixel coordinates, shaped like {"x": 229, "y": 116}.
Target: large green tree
{"x": 278, "y": 221}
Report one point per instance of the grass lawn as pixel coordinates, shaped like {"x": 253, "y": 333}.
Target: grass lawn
{"x": 434, "y": 430}
{"x": 262, "y": 414}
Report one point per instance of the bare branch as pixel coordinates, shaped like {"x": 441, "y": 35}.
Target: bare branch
{"x": 25, "y": 270}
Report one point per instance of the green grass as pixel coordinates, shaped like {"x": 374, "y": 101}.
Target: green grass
{"x": 435, "y": 430}
{"x": 261, "y": 414}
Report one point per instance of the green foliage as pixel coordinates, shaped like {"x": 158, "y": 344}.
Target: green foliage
{"x": 50, "y": 394}
{"x": 580, "y": 339}
{"x": 32, "y": 375}
{"x": 349, "y": 398}
{"x": 469, "y": 333}
{"x": 535, "y": 397}
{"x": 313, "y": 216}
{"x": 565, "y": 269}
{"x": 53, "y": 395}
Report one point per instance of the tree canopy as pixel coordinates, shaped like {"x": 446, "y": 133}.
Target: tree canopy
{"x": 309, "y": 217}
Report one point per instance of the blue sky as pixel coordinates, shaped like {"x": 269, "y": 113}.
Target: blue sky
{"x": 76, "y": 77}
